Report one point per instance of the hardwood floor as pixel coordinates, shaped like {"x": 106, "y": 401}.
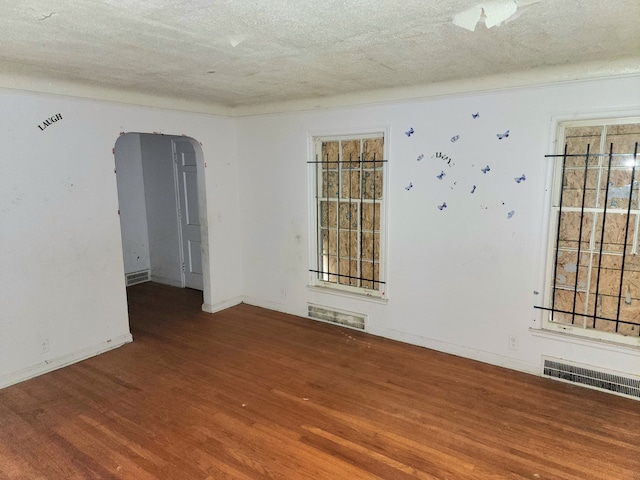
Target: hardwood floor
{"x": 248, "y": 394}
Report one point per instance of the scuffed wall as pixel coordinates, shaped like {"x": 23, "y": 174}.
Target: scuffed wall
{"x": 467, "y": 220}
{"x": 62, "y": 278}
{"x": 468, "y": 217}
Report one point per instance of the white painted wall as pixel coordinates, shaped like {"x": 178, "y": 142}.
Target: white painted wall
{"x": 131, "y": 202}
{"x": 460, "y": 280}
{"x": 62, "y": 276}
{"x": 162, "y": 210}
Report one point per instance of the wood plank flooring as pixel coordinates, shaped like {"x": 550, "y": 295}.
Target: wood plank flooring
{"x": 250, "y": 394}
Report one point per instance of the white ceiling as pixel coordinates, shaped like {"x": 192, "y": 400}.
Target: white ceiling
{"x": 243, "y": 53}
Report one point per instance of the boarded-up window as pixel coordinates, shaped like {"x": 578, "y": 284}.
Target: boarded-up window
{"x": 595, "y": 269}
{"x": 349, "y": 203}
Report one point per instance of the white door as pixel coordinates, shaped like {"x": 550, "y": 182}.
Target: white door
{"x": 184, "y": 156}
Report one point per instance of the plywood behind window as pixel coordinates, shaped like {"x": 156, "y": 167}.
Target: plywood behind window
{"x": 351, "y": 153}
{"x": 330, "y": 152}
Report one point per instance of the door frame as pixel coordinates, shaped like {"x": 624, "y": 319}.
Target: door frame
{"x": 176, "y": 187}
{"x": 180, "y": 210}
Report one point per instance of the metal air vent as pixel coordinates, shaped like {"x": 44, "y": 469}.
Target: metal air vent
{"x": 621, "y": 384}
{"x": 340, "y": 317}
{"x": 137, "y": 277}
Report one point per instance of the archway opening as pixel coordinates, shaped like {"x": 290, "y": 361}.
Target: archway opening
{"x": 161, "y": 195}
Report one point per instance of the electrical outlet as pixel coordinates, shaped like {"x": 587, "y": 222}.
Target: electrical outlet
{"x": 513, "y": 342}
{"x": 44, "y": 346}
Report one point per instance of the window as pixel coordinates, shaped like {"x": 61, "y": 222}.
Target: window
{"x": 349, "y": 214}
{"x": 594, "y": 268}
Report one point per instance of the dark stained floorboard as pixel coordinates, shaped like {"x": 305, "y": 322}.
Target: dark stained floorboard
{"x": 248, "y": 393}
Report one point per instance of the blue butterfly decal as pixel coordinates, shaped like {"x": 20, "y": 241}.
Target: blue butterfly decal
{"x": 502, "y": 135}
{"x": 420, "y": 157}
{"x": 455, "y": 138}
{"x": 409, "y": 132}
{"x": 511, "y": 214}
{"x": 443, "y": 206}
{"x": 520, "y": 179}
{"x": 409, "y": 187}
{"x": 485, "y": 169}
{"x": 473, "y": 190}
{"x": 475, "y": 115}
{"x": 441, "y": 176}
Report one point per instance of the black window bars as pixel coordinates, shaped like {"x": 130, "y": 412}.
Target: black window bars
{"x": 593, "y": 315}
{"x": 357, "y": 212}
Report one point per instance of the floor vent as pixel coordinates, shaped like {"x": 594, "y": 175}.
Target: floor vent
{"x": 625, "y": 385}
{"x": 340, "y": 317}
{"x": 137, "y": 277}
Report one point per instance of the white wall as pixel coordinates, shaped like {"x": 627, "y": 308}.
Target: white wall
{"x": 62, "y": 276}
{"x": 131, "y": 202}
{"x": 460, "y": 280}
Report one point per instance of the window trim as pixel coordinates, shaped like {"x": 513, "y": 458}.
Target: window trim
{"x": 335, "y": 288}
{"x": 559, "y": 127}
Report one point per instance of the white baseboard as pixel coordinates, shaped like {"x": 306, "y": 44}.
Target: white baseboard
{"x": 62, "y": 361}
{"x": 420, "y": 341}
{"x": 278, "y": 306}
{"x": 268, "y": 304}
{"x": 459, "y": 351}
{"x": 217, "y": 307}
{"x": 167, "y": 281}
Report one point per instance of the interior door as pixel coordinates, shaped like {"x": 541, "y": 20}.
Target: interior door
{"x": 187, "y": 179}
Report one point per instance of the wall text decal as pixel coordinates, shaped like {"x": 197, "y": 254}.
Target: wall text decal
{"x": 49, "y": 121}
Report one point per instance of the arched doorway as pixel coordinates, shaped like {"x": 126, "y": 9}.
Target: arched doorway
{"x": 162, "y": 210}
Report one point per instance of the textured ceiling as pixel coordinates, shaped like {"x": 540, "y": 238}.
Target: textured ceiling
{"x": 237, "y": 53}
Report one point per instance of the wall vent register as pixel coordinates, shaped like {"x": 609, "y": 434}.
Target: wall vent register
{"x": 584, "y": 375}
{"x": 340, "y": 317}
{"x": 134, "y": 278}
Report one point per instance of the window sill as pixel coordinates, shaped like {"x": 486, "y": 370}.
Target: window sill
{"x": 353, "y": 295}
{"x": 584, "y": 341}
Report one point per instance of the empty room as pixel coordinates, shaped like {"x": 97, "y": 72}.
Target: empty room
{"x": 343, "y": 239}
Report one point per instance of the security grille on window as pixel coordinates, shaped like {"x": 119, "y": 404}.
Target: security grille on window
{"x": 349, "y": 188}
{"x": 594, "y": 289}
